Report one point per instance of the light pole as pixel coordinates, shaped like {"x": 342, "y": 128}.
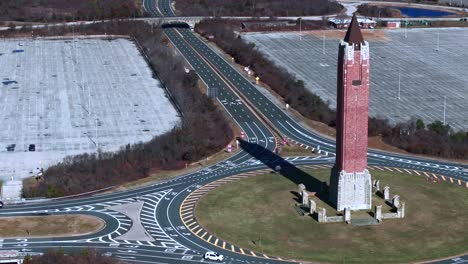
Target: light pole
{"x": 96, "y": 127}
{"x": 300, "y": 28}
{"x": 399, "y": 84}
{"x": 323, "y": 45}
{"x": 406, "y": 29}
{"x": 445, "y": 104}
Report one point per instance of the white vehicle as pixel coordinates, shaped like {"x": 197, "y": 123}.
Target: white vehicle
{"x": 21, "y": 44}
{"x": 210, "y": 255}
{"x": 1, "y": 204}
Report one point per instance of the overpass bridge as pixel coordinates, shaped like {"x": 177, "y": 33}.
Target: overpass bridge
{"x": 191, "y": 21}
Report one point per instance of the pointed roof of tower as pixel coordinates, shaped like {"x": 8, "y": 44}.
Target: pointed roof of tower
{"x": 354, "y": 35}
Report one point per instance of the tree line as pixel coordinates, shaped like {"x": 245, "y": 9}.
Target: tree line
{"x": 257, "y": 7}
{"x": 87, "y": 256}
{"x": 204, "y": 130}
{"x": 435, "y": 139}
{"x": 67, "y": 10}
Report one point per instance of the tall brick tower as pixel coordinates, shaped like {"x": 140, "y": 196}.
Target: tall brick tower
{"x": 350, "y": 181}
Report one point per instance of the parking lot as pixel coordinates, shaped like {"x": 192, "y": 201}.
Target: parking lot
{"x": 64, "y": 97}
{"x": 412, "y": 73}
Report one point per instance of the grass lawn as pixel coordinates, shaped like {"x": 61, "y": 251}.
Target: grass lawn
{"x": 258, "y": 213}
{"x": 49, "y": 226}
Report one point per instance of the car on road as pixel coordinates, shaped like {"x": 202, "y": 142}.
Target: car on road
{"x": 210, "y": 255}
{"x": 1, "y": 204}
{"x": 107, "y": 254}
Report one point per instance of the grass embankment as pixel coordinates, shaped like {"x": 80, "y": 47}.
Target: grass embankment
{"x": 266, "y": 221}
{"x": 49, "y": 226}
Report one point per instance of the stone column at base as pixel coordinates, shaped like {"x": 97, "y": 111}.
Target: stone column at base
{"x": 378, "y": 213}
{"x": 347, "y": 215}
{"x": 401, "y": 210}
{"x": 322, "y": 215}
{"x": 351, "y": 189}
{"x": 312, "y": 206}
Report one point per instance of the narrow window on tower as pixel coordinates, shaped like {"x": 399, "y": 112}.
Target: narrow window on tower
{"x": 356, "y": 82}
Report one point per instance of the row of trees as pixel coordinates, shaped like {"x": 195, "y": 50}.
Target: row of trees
{"x": 257, "y": 7}
{"x": 204, "y": 129}
{"x": 67, "y": 10}
{"x": 436, "y": 139}
{"x": 281, "y": 81}
{"x": 87, "y": 256}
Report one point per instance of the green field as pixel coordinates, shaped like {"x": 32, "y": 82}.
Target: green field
{"x": 258, "y": 214}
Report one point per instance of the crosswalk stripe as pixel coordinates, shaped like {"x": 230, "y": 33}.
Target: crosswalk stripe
{"x": 186, "y": 212}
{"x": 409, "y": 172}
{"x": 191, "y": 202}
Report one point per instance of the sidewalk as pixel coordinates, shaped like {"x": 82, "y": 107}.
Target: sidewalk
{"x": 11, "y": 191}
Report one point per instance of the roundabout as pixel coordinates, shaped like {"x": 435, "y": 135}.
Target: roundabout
{"x": 253, "y": 219}
{"x": 257, "y": 215}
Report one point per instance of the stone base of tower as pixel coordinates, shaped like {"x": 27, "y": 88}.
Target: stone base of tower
{"x": 351, "y": 190}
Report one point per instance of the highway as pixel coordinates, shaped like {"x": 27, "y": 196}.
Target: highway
{"x": 178, "y": 238}
{"x": 202, "y": 54}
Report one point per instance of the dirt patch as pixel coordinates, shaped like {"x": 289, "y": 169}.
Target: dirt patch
{"x": 49, "y": 226}
{"x": 369, "y": 34}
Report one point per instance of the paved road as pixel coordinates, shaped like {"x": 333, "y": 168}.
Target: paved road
{"x": 258, "y": 117}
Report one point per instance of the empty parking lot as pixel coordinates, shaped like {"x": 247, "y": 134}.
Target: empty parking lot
{"x": 412, "y": 73}
{"x": 64, "y": 97}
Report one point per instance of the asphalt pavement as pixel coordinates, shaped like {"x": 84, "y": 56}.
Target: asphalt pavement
{"x": 257, "y": 116}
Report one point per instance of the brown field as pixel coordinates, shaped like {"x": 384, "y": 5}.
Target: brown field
{"x": 49, "y": 226}
{"x": 369, "y": 34}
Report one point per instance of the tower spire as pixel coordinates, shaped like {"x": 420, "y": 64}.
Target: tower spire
{"x": 354, "y": 35}
{"x": 350, "y": 181}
